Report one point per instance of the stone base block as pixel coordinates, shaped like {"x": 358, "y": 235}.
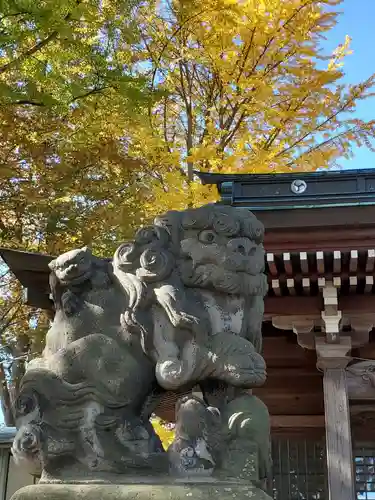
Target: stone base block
{"x": 182, "y": 491}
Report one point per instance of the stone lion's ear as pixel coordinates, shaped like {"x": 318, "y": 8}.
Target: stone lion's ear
{"x": 183, "y": 400}
{"x": 86, "y": 250}
{"x": 179, "y": 403}
{"x": 215, "y": 412}
{"x": 52, "y": 265}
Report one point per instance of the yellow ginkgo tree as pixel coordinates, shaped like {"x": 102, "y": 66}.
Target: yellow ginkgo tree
{"x": 246, "y": 88}
{"x": 165, "y": 431}
{"x": 108, "y": 106}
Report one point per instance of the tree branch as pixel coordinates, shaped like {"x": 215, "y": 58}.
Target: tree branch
{"x": 27, "y": 102}
{"x": 189, "y": 117}
{"x": 318, "y": 127}
{"x": 232, "y": 133}
{"x": 35, "y": 48}
{"x": 273, "y": 135}
{"x": 324, "y": 143}
{"x": 165, "y": 129}
{"x": 6, "y": 403}
{"x": 245, "y": 55}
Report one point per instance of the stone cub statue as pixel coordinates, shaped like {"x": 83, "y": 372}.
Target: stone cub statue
{"x": 194, "y": 451}
{"x": 69, "y": 273}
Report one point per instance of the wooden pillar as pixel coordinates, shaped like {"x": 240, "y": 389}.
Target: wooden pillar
{"x": 332, "y": 360}
{"x": 4, "y": 471}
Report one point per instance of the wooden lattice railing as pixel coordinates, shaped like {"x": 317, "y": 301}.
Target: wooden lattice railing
{"x": 300, "y": 470}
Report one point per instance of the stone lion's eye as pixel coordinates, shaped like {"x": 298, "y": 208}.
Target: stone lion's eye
{"x": 207, "y": 236}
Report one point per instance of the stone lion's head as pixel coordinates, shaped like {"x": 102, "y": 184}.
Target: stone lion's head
{"x": 218, "y": 248}
{"x": 193, "y": 263}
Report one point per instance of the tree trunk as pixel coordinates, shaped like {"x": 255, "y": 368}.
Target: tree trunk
{"x": 6, "y": 403}
{"x": 10, "y": 383}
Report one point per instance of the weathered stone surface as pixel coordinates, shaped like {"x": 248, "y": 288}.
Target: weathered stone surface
{"x": 248, "y": 446}
{"x": 180, "y": 305}
{"x": 196, "y": 448}
{"x": 166, "y": 491}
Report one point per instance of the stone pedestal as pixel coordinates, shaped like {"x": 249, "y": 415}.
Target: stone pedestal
{"x": 155, "y": 491}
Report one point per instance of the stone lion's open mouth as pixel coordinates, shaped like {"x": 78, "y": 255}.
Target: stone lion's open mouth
{"x": 75, "y": 276}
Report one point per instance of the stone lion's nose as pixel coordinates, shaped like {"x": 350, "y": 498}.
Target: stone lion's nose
{"x": 240, "y": 245}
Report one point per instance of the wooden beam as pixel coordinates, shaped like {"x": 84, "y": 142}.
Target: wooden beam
{"x": 306, "y": 285}
{"x": 327, "y": 276}
{"x": 337, "y": 261}
{"x": 312, "y": 427}
{"x": 310, "y": 305}
{"x": 304, "y": 263}
{"x": 281, "y": 403}
{"x": 36, "y": 298}
{"x": 369, "y": 284}
{"x": 351, "y": 218}
{"x": 303, "y": 427}
{"x": 280, "y": 353}
{"x": 291, "y": 286}
{"x": 321, "y": 282}
{"x": 279, "y": 306}
{"x": 287, "y": 264}
{"x": 357, "y": 304}
{"x": 361, "y": 327}
{"x": 353, "y": 264}
{"x": 320, "y": 262}
{"x": 370, "y": 260}
{"x": 290, "y": 422}
{"x": 330, "y": 315}
{"x": 306, "y": 404}
{"x": 324, "y": 239}
{"x": 367, "y": 351}
{"x": 27, "y": 261}
{"x": 294, "y": 381}
{"x": 353, "y": 284}
{"x": 337, "y": 281}
{"x": 276, "y": 287}
{"x": 271, "y": 264}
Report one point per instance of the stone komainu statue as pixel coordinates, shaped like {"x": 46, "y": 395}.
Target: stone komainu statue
{"x": 180, "y": 305}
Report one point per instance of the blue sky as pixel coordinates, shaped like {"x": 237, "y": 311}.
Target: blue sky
{"x": 357, "y": 21}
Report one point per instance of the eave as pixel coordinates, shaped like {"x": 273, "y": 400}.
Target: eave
{"x": 270, "y": 192}
{"x": 297, "y": 267}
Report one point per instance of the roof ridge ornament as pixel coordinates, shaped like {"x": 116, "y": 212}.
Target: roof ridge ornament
{"x": 298, "y": 186}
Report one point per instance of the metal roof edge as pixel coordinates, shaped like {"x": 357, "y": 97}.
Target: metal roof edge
{"x": 218, "y": 178}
